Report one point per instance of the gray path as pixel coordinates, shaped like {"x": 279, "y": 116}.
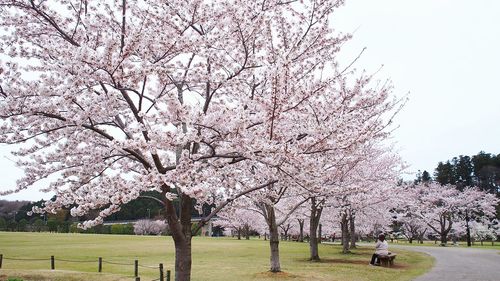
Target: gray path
{"x": 454, "y": 264}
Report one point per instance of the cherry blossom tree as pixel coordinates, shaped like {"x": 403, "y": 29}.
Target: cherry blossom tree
{"x": 477, "y": 209}
{"x": 239, "y": 220}
{"x": 149, "y": 227}
{"x": 441, "y": 207}
{"x": 482, "y": 232}
{"x": 276, "y": 204}
{"x": 202, "y": 101}
{"x": 368, "y": 190}
{"x": 412, "y": 227}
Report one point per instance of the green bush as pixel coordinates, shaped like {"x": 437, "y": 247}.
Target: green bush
{"x": 122, "y": 229}
{"x": 73, "y": 228}
{"x": 14, "y": 279}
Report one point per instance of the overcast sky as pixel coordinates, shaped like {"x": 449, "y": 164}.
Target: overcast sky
{"x": 445, "y": 53}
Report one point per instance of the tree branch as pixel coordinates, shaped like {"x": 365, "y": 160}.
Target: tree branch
{"x": 204, "y": 220}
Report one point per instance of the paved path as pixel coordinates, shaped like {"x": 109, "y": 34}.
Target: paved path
{"x": 454, "y": 264}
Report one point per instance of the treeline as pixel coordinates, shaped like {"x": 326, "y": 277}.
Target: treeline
{"x": 14, "y": 216}
{"x": 481, "y": 170}
{"x": 56, "y": 226}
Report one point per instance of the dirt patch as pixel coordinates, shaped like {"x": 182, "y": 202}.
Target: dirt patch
{"x": 399, "y": 266}
{"x": 347, "y": 261}
{"x": 276, "y": 275}
{"x": 361, "y": 262}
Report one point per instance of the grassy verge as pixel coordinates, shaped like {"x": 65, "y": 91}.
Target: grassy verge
{"x": 220, "y": 259}
{"x": 462, "y": 244}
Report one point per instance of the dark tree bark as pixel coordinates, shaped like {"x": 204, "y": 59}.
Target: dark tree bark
{"x": 344, "y": 226}
{"x": 301, "y": 230}
{"x": 274, "y": 240}
{"x": 181, "y": 234}
{"x": 247, "y": 232}
{"x": 285, "y": 229}
{"x": 352, "y": 230}
{"x": 320, "y": 233}
{"x": 467, "y": 219}
{"x": 313, "y": 229}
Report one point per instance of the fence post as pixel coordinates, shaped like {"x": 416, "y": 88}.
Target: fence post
{"x": 168, "y": 275}
{"x": 52, "y": 263}
{"x": 161, "y": 272}
{"x": 137, "y": 278}
{"x": 136, "y": 268}
{"x": 1, "y": 259}
{"x": 100, "y": 264}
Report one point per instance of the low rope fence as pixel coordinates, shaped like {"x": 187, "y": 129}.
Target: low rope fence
{"x": 163, "y": 276}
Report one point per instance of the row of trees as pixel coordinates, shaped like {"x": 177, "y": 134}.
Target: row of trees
{"x": 140, "y": 208}
{"x": 481, "y": 170}
{"x": 435, "y": 210}
{"x": 418, "y": 212}
{"x": 53, "y": 225}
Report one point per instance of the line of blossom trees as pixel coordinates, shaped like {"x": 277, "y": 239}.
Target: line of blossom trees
{"x": 441, "y": 211}
{"x": 468, "y": 175}
{"x": 374, "y": 206}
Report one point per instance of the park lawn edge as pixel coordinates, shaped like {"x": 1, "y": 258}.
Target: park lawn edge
{"x": 221, "y": 259}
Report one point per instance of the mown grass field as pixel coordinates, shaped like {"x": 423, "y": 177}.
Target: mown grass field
{"x": 221, "y": 259}
{"x": 462, "y": 244}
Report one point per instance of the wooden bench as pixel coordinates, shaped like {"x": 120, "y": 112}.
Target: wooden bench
{"x": 387, "y": 260}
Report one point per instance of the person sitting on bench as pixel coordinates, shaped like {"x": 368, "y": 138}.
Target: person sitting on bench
{"x": 381, "y": 248}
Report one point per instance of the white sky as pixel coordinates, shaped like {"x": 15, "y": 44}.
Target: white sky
{"x": 446, "y": 53}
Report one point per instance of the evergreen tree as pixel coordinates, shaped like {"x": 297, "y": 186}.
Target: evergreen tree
{"x": 463, "y": 171}
{"x": 444, "y": 173}
{"x": 487, "y": 171}
{"x": 418, "y": 178}
{"x": 426, "y": 177}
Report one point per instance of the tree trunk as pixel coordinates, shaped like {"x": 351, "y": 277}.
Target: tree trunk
{"x": 301, "y": 230}
{"x": 410, "y": 240}
{"x": 353, "y": 231}
{"x": 444, "y": 239}
{"x": 183, "y": 261}
{"x": 313, "y": 230}
{"x": 467, "y": 228}
{"x": 274, "y": 240}
{"x": 285, "y": 232}
{"x": 238, "y": 231}
{"x": 320, "y": 233}
{"x": 445, "y": 230}
{"x": 181, "y": 234}
{"x": 344, "y": 223}
{"x": 247, "y": 232}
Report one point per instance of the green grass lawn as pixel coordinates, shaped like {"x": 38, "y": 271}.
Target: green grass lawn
{"x": 463, "y": 244}
{"x": 220, "y": 259}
